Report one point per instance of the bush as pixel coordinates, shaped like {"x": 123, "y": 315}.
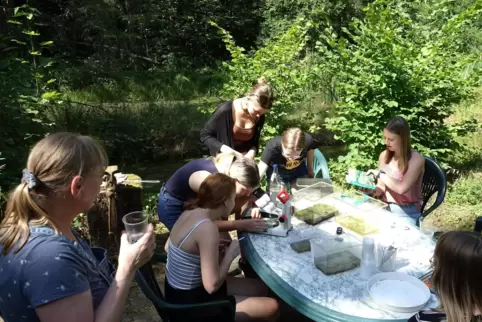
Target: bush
{"x": 287, "y": 65}
{"x": 391, "y": 65}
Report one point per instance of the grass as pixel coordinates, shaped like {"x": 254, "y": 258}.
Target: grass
{"x": 462, "y": 203}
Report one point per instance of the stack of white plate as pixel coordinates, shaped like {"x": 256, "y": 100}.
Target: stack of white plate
{"x": 398, "y": 292}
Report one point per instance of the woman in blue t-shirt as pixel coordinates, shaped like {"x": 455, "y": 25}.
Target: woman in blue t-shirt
{"x": 47, "y": 272}
{"x": 184, "y": 184}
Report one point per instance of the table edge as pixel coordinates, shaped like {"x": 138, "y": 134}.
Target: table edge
{"x": 291, "y": 296}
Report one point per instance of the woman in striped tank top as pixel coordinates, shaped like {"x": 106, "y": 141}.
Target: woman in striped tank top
{"x": 194, "y": 271}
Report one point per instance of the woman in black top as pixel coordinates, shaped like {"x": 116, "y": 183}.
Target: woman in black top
{"x": 456, "y": 279}
{"x": 236, "y": 126}
{"x": 289, "y": 152}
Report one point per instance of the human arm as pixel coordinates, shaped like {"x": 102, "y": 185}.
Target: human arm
{"x": 215, "y": 125}
{"x": 310, "y": 157}
{"x": 71, "y": 300}
{"x": 415, "y": 167}
{"x": 272, "y": 148}
{"x": 214, "y": 274}
{"x": 250, "y": 225}
{"x": 255, "y": 139}
{"x": 196, "y": 179}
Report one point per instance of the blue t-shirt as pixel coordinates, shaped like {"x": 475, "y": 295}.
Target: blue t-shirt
{"x": 178, "y": 184}
{"x": 50, "y": 267}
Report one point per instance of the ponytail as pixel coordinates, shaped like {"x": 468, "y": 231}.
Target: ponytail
{"x": 21, "y": 209}
{"x": 52, "y": 164}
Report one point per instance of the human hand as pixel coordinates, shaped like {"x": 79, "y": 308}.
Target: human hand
{"x": 373, "y": 172}
{"x": 133, "y": 256}
{"x": 311, "y": 173}
{"x": 253, "y": 225}
{"x": 255, "y": 213}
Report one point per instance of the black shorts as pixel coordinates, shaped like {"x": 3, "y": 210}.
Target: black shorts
{"x": 196, "y": 295}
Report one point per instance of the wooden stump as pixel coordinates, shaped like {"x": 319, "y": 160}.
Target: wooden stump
{"x": 128, "y": 198}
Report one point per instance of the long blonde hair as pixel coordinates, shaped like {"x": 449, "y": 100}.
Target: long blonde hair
{"x": 456, "y": 278}
{"x": 244, "y": 170}
{"x": 293, "y": 140}
{"x": 53, "y": 162}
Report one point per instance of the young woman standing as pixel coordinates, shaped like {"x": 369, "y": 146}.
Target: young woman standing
{"x": 235, "y": 126}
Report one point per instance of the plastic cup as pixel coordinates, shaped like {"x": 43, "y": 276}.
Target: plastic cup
{"x": 135, "y": 224}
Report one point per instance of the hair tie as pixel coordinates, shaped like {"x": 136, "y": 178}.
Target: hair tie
{"x": 30, "y": 179}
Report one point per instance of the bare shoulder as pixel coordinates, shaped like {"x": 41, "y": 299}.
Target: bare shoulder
{"x": 381, "y": 158}
{"x": 417, "y": 159}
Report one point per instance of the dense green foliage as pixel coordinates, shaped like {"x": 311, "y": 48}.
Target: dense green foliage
{"x": 142, "y": 76}
{"x": 395, "y": 63}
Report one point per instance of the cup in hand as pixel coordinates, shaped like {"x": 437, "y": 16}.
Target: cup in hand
{"x": 135, "y": 224}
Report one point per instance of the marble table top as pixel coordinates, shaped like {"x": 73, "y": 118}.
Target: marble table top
{"x": 343, "y": 296}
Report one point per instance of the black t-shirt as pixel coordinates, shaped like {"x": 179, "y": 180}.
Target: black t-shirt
{"x": 273, "y": 153}
{"x": 428, "y": 316}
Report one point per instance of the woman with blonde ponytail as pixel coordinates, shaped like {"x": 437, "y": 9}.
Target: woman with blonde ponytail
{"x": 47, "y": 272}
{"x": 235, "y": 126}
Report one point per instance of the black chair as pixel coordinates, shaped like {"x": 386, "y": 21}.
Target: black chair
{"x": 434, "y": 181}
{"x": 478, "y": 225}
{"x": 223, "y": 310}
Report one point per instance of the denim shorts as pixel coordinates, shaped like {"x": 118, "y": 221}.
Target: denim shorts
{"x": 169, "y": 209}
{"x": 289, "y": 176}
{"x": 410, "y": 212}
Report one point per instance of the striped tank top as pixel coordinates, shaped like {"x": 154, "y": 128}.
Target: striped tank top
{"x": 183, "y": 270}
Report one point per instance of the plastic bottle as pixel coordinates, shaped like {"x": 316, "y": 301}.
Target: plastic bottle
{"x": 275, "y": 185}
{"x": 368, "y": 262}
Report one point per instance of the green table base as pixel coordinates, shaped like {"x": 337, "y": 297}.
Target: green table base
{"x": 291, "y": 296}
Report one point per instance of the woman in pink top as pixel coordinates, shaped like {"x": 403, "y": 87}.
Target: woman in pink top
{"x": 401, "y": 171}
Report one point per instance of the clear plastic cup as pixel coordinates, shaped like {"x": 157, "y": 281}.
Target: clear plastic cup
{"x": 135, "y": 224}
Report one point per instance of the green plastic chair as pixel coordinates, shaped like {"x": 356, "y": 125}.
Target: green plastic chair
{"x": 320, "y": 166}
{"x": 223, "y": 310}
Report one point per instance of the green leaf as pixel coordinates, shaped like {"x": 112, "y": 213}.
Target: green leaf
{"x": 50, "y": 81}
{"x": 50, "y": 95}
{"x": 30, "y": 32}
{"x": 47, "y": 43}
{"x": 35, "y": 52}
{"x": 30, "y": 16}
{"x": 18, "y": 41}
{"x": 15, "y": 22}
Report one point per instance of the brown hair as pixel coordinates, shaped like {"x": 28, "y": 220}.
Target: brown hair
{"x": 53, "y": 162}
{"x": 456, "y": 278}
{"x": 399, "y": 126}
{"x": 263, "y": 92}
{"x": 213, "y": 192}
{"x": 293, "y": 139}
{"x": 242, "y": 169}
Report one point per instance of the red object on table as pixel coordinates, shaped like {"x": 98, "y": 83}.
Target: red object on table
{"x": 283, "y": 196}
{"x": 282, "y": 219}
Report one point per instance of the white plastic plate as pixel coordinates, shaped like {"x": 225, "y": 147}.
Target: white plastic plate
{"x": 398, "y": 292}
